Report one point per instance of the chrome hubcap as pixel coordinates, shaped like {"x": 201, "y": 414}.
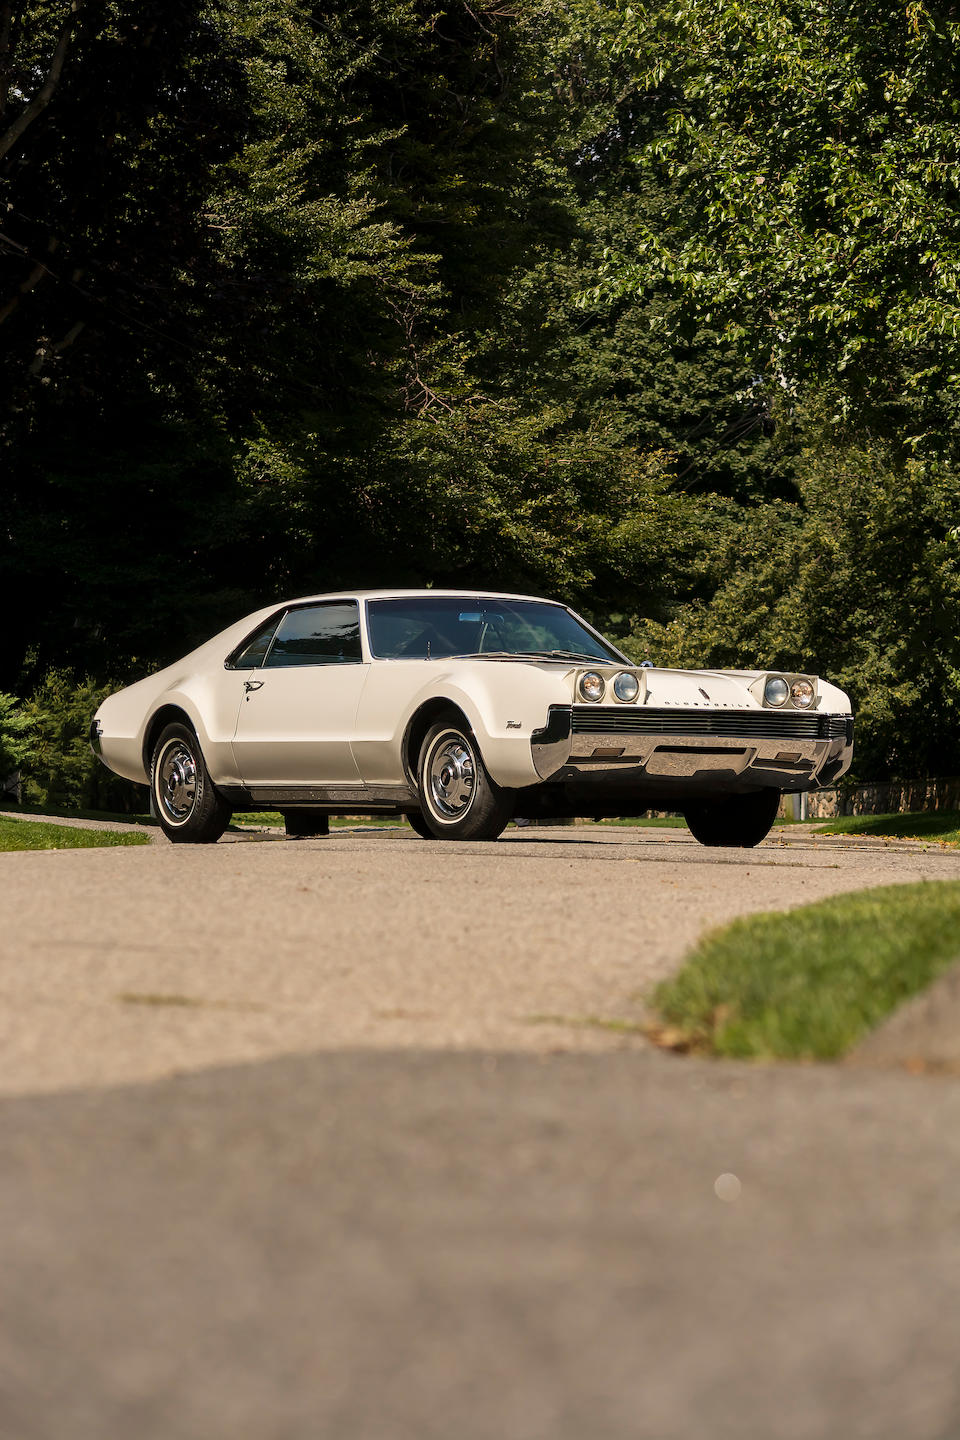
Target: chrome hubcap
{"x": 451, "y": 777}
{"x": 177, "y": 782}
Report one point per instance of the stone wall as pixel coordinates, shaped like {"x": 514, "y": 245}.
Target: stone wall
{"x": 887, "y": 797}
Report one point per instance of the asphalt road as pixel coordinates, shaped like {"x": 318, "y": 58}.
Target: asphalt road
{"x": 131, "y": 964}
{"x": 418, "y": 1210}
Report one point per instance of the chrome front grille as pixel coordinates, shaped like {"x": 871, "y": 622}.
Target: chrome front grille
{"x": 729, "y": 724}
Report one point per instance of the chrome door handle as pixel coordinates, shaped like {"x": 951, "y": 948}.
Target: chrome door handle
{"x": 249, "y": 685}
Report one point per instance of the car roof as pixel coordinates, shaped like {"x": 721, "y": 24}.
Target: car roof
{"x": 421, "y": 594}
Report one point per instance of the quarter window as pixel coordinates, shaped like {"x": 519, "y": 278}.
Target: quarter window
{"x": 318, "y": 635}
{"x": 251, "y": 656}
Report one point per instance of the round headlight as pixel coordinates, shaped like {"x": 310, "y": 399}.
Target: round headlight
{"x": 776, "y": 691}
{"x": 591, "y": 685}
{"x": 801, "y": 693}
{"x": 626, "y": 687}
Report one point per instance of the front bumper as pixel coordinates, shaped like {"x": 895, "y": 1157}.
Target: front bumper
{"x": 693, "y": 750}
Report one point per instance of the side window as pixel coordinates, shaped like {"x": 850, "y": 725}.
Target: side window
{"x": 318, "y": 635}
{"x": 251, "y": 656}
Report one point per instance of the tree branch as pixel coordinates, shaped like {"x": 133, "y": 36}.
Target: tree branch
{"x": 6, "y": 32}
{"x": 33, "y": 279}
{"x": 45, "y": 94}
{"x": 45, "y": 349}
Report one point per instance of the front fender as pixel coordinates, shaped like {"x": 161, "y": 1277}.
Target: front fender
{"x": 503, "y": 723}
{"x": 503, "y": 704}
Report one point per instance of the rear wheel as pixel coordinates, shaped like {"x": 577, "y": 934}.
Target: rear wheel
{"x": 458, "y": 800}
{"x": 188, "y": 807}
{"x": 734, "y": 820}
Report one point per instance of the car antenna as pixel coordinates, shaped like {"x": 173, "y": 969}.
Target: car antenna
{"x": 429, "y": 656}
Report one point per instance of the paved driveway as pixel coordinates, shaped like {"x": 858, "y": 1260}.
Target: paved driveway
{"x": 448, "y": 1216}
{"x": 131, "y": 964}
{"x": 402, "y": 1246}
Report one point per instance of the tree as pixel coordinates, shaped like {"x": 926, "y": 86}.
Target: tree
{"x": 815, "y": 151}
{"x": 319, "y": 270}
{"x": 298, "y": 257}
{"x": 859, "y": 581}
{"x": 115, "y": 117}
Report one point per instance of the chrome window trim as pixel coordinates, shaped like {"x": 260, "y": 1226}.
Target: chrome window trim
{"x": 318, "y": 605}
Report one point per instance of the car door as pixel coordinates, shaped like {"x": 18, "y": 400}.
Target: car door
{"x": 296, "y": 721}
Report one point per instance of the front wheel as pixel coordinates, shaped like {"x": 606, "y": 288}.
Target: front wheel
{"x": 735, "y": 820}
{"x": 188, "y": 807}
{"x": 418, "y": 825}
{"x": 458, "y": 800}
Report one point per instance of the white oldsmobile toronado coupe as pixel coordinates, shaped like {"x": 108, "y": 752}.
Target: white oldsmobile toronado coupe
{"x": 461, "y": 710}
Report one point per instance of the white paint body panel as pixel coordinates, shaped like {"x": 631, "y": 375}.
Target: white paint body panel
{"x": 297, "y": 728}
{"x": 489, "y": 692}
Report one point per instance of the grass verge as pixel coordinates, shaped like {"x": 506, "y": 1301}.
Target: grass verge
{"x": 67, "y": 814}
{"x": 35, "y": 835}
{"x": 940, "y": 825}
{"x": 677, "y": 822}
{"x": 810, "y": 983}
{"x": 669, "y": 822}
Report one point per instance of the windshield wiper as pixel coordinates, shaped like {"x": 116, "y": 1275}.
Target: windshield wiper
{"x": 533, "y": 655}
{"x": 575, "y": 655}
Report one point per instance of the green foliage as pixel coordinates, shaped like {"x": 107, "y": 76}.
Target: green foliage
{"x": 62, "y": 770}
{"x": 289, "y": 301}
{"x": 810, "y": 984}
{"x": 324, "y": 328}
{"x": 859, "y": 581}
{"x": 814, "y": 151}
{"x": 16, "y": 749}
{"x": 15, "y": 739}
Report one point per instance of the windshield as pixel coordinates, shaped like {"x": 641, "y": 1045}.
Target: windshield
{"x": 438, "y": 627}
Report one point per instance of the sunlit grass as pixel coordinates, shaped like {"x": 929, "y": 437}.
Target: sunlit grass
{"x": 35, "y": 835}
{"x": 939, "y": 825}
{"x": 808, "y": 984}
{"x": 671, "y": 822}
{"x": 66, "y": 813}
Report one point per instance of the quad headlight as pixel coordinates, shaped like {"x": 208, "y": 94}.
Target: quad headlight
{"x": 626, "y": 686}
{"x": 796, "y": 692}
{"x": 591, "y": 686}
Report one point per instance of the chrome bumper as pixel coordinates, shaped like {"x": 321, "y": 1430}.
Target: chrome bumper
{"x": 787, "y": 761}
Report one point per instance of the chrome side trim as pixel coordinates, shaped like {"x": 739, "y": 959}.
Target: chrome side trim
{"x": 343, "y": 797}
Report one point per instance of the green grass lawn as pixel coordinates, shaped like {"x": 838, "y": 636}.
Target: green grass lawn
{"x": 68, "y": 814}
{"x": 810, "y": 983}
{"x": 672, "y": 822}
{"x": 35, "y": 835}
{"x": 677, "y": 822}
{"x": 940, "y": 825}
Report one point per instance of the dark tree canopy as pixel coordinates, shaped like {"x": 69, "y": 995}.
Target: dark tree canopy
{"x": 617, "y": 304}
